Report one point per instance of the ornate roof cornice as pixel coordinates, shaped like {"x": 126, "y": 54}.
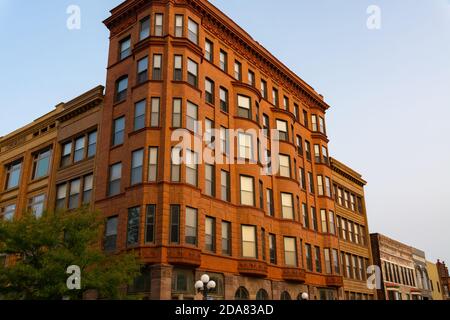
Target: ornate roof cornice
{"x": 225, "y": 29}
{"x": 347, "y": 172}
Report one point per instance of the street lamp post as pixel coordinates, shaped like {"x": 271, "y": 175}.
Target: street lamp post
{"x": 205, "y": 285}
{"x": 305, "y": 296}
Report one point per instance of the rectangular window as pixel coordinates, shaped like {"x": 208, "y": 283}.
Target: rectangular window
{"x": 193, "y": 31}
{"x": 150, "y": 221}
{"x": 61, "y": 194}
{"x": 192, "y": 73}
{"x": 296, "y": 112}
{"x": 142, "y": 70}
{"x": 144, "y": 31}
{"x": 327, "y": 261}
{"x": 223, "y": 99}
{"x": 311, "y": 182}
{"x": 153, "y": 164}
{"x": 226, "y": 238}
{"x": 286, "y": 103}
{"x": 176, "y": 113}
{"x": 332, "y": 226}
{"x": 302, "y": 179}
{"x": 266, "y": 124}
{"x": 238, "y": 70}
{"x": 247, "y": 191}
{"x": 325, "y": 155}
{"x": 244, "y": 107}
{"x": 133, "y": 226}
{"x": 92, "y": 144}
{"x": 323, "y": 216}
{"x": 41, "y": 163}
{"x": 348, "y": 267}
{"x": 308, "y": 256}
{"x": 115, "y": 176}
{"x": 110, "y": 242}
{"x": 251, "y": 78}
{"x": 356, "y": 229}
{"x": 178, "y": 68}
{"x": 121, "y": 89}
{"x": 74, "y": 194}
{"x": 352, "y": 202}
{"x": 137, "y": 162}
{"x": 321, "y": 125}
{"x": 209, "y": 52}
{"x": 179, "y": 25}
{"x": 125, "y": 47}
{"x": 328, "y": 187}
{"x": 225, "y": 185}
{"x": 270, "y": 204}
{"x": 210, "y": 234}
{"x": 261, "y": 195}
{"x": 314, "y": 219}
{"x": 305, "y": 215}
{"x": 282, "y": 129}
{"x": 210, "y": 180}
{"x": 139, "y": 115}
{"x": 191, "y": 226}
{"x": 308, "y": 150}
{"x": 285, "y": 166}
{"x": 275, "y": 97}
{"x": 249, "y": 245}
{"x": 36, "y": 205}
{"x": 80, "y": 145}
{"x": 223, "y": 61}
{"x": 320, "y": 185}
{"x": 317, "y": 153}
{"x": 224, "y": 140}
{"x": 346, "y": 199}
{"x": 209, "y": 91}
{"x": 88, "y": 185}
{"x": 314, "y": 122}
{"x": 154, "y": 115}
{"x": 174, "y": 224}
{"x": 318, "y": 259}
{"x": 191, "y": 168}
{"x": 175, "y": 171}
{"x": 336, "y": 262}
{"x": 245, "y": 146}
{"x": 273, "y": 248}
{"x": 191, "y": 117}
{"x": 66, "y": 154}
{"x": 159, "y": 24}
{"x": 344, "y": 229}
{"x": 264, "y": 88}
{"x": 355, "y": 269}
{"x": 157, "y": 67}
{"x": 290, "y": 252}
{"x": 299, "y": 143}
{"x": 287, "y": 206}
{"x": 350, "y": 231}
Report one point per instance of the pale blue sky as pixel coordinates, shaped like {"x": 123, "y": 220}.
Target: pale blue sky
{"x": 389, "y": 89}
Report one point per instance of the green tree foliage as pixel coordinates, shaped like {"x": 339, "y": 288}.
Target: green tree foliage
{"x": 43, "y": 248}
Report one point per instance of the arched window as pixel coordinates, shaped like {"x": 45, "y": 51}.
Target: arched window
{"x": 241, "y": 294}
{"x": 285, "y": 296}
{"x": 262, "y": 295}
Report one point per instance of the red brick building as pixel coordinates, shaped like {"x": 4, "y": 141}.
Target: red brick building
{"x": 185, "y": 65}
{"x": 173, "y": 62}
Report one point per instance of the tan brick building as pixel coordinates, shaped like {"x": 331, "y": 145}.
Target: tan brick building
{"x": 31, "y": 165}
{"x": 353, "y": 231}
{"x": 259, "y": 236}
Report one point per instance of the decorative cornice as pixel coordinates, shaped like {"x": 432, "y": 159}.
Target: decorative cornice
{"x": 218, "y": 24}
{"x": 346, "y": 172}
